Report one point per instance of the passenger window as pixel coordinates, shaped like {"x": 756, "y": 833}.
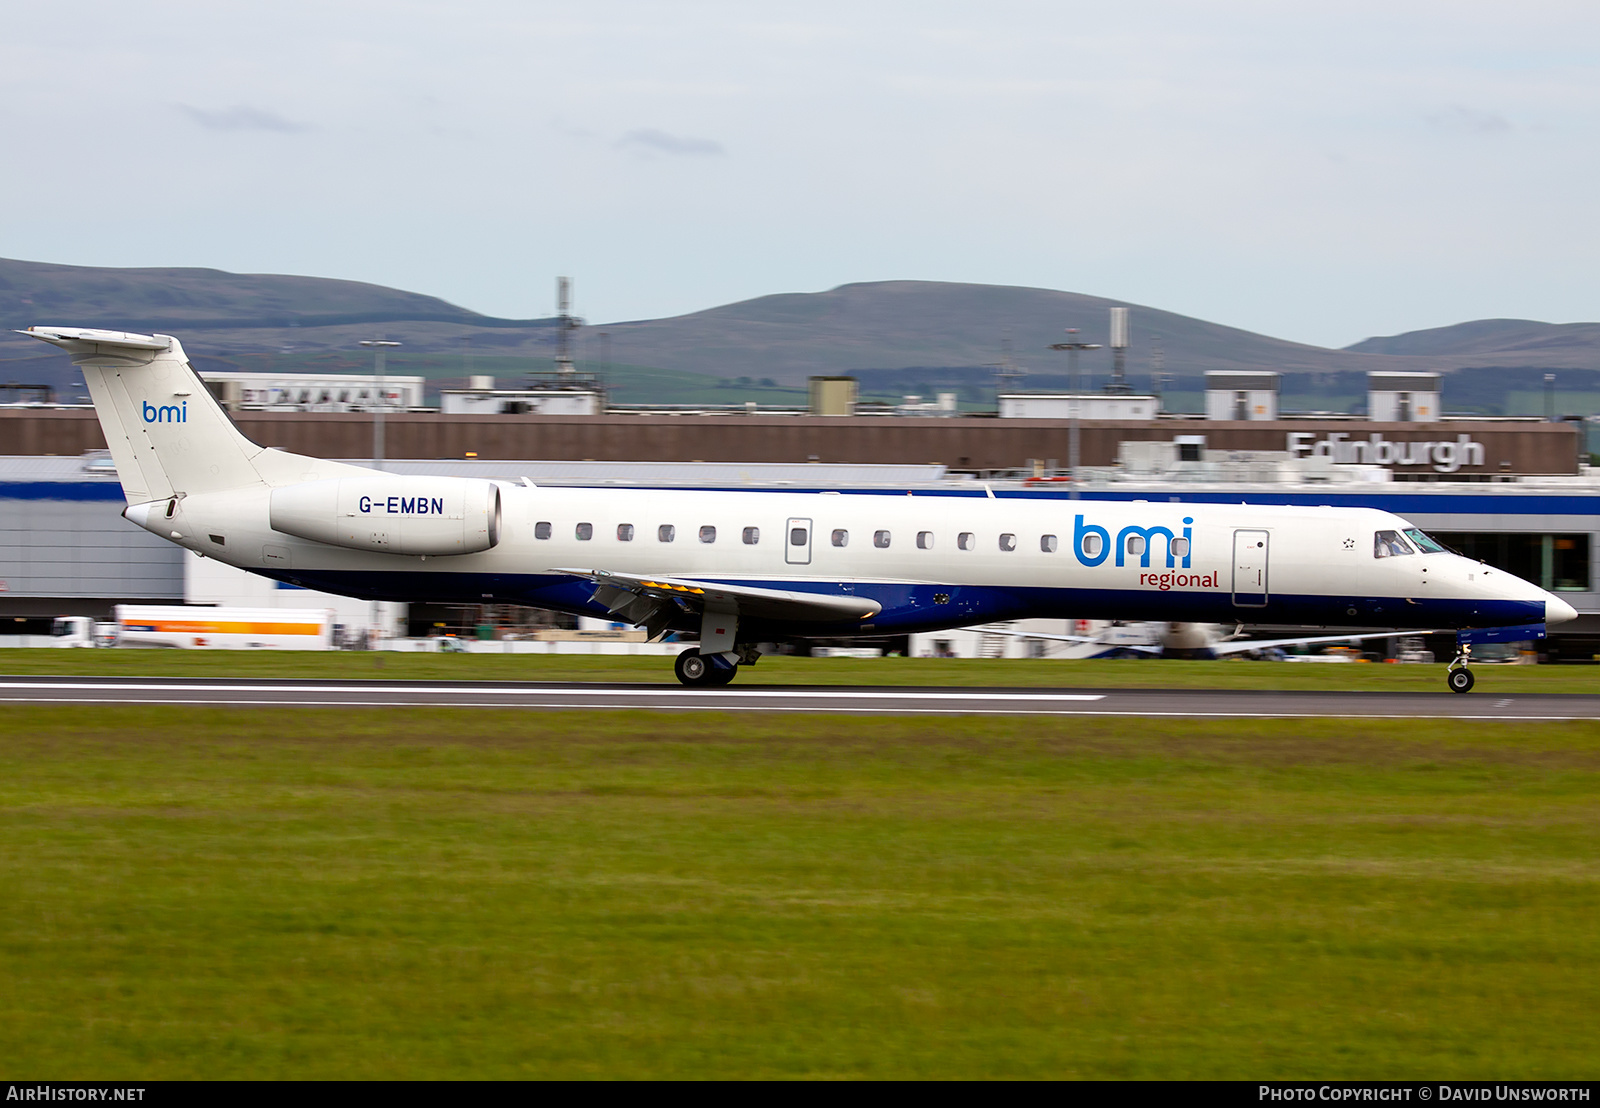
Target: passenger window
{"x": 708, "y": 534}
{"x": 585, "y": 532}
{"x": 752, "y": 535}
{"x": 797, "y": 536}
{"x": 1048, "y": 543}
{"x": 924, "y": 540}
{"x": 1135, "y": 544}
{"x": 666, "y": 532}
{"x": 880, "y": 539}
{"x": 841, "y": 538}
{"x": 541, "y": 530}
{"x": 964, "y": 541}
{"x": 1180, "y": 548}
{"x": 624, "y": 532}
{"x": 1389, "y": 544}
{"x": 1091, "y": 545}
{"x": 1008, "y": 543}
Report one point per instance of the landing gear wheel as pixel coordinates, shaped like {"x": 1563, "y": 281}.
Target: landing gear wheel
{"x": 1460, "y": 680}
{"x": 694, "y": 668}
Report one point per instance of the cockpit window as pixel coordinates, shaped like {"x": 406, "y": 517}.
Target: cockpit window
{"x": 1424, "y": 543}
{"x": 1389, "y": 544}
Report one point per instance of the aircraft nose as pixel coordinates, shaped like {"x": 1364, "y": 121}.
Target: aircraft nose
{"x": 1557, "y": 610}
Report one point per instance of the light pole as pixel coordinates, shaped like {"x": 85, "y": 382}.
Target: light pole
{"x": 1072, "y": 346}
{"x": 1549, "y": 397}
{"x": 380, "y": 349}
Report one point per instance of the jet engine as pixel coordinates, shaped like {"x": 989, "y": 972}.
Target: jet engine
{"x": 394, "y": 515}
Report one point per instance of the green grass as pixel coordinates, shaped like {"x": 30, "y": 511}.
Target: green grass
{"x": 782, "y": 670}
{"x": 437, "y": 893}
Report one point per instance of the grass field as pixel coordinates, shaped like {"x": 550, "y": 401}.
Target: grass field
{"x": 438, "y": 893}
{"x": 782, "y": 670}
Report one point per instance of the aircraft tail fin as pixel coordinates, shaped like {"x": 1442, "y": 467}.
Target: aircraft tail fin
{"x": 167, "y": 433}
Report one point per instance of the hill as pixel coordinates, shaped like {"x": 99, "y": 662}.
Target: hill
{"x": 895, "y": 325}
{"x": 898, "y": 336}
{"x": 1521, "y": 341}
{"x": 210, "y": 299}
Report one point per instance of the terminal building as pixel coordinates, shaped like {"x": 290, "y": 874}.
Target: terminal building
{"x": 1518, "y": 493}
{"x": 65, "y": 550}
{"x": 313, "y": 392}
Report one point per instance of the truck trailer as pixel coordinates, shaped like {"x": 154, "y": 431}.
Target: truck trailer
{"x": 196, "y": 627}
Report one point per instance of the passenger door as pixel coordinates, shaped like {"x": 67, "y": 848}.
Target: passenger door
{"x": 797, "y": 542}
{"x": 1250, "y": 550}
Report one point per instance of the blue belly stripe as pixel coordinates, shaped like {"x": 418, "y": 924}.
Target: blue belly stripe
{"x": 912, "y": 607}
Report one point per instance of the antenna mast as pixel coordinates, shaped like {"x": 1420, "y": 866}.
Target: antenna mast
{"x": 567, "y": 374}
{"x": 565, "y": 325}
{"x": 1008, "y": 374}
{"x": 1119, "y": 351}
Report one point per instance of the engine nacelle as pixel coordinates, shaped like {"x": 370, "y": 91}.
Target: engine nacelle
{"x": 395, "y": 515}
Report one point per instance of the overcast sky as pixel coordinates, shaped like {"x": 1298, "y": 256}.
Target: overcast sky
{"x": 1316, "y": 172}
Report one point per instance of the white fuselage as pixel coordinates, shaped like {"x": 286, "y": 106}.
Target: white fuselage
{"x": 983, "y": 557}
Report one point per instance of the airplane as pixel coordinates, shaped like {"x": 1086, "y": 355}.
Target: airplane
{"x": 748, "y": 570}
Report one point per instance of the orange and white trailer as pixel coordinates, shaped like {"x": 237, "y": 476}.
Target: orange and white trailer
{"x": 194, "y": 627}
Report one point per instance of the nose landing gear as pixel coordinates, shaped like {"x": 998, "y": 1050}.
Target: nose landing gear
{"x": 1458, "y": 676}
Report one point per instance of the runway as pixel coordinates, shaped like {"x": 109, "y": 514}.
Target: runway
{"x": 749, "y": 697}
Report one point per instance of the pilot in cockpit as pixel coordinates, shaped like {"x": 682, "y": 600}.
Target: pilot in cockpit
{"x": 1389, "y": 544}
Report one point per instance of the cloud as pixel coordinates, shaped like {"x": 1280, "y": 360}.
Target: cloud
{"x": 241, "y": 117}
{"x": 561, "y": 126}
{"x": 1471, "y": 120}
{"x": 650, "y": 141}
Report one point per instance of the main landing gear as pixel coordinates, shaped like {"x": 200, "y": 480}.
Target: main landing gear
{"x": 1458, "y": 676}
{"x": 700, "y": 671}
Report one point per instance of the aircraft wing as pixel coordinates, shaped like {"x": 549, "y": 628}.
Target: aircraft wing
{"x": 651, "y": 600}
{"x": 1218, "y": 649}
{"x": 1239, "y": 646}
{"x": 1014, "y": 633}
{"x": 1138, "y": 648}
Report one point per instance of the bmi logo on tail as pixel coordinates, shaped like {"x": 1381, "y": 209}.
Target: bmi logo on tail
{"x": 167, "y": 413}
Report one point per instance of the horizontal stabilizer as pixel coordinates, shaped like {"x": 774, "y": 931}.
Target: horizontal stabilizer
{"x": 89, "y": 340}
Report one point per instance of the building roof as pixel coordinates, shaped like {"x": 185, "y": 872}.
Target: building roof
{"x": 697, "y": 474}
